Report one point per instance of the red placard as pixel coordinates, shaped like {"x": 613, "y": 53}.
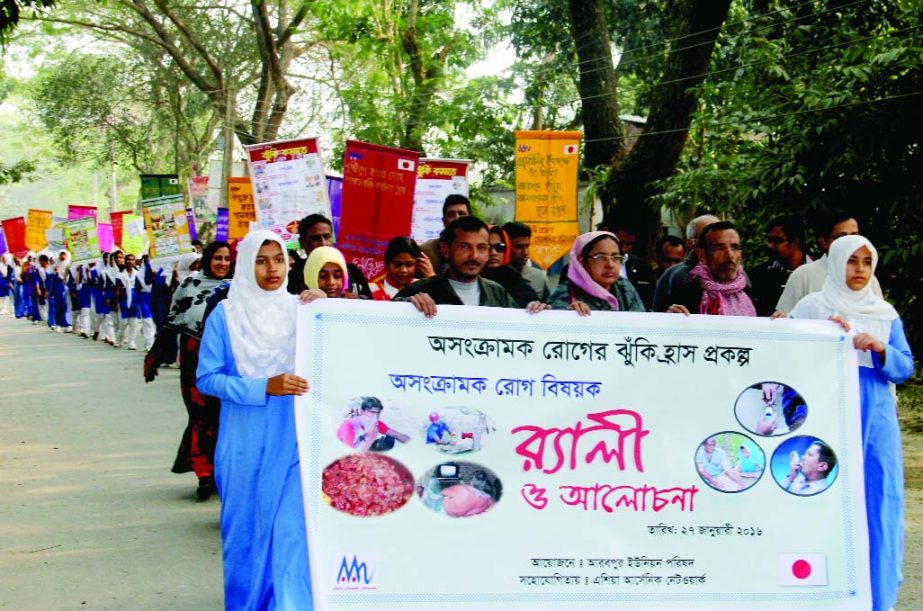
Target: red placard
{"x": 15, "y": 231}
{"x": 117, "y": 221}
{"x": 378, "y": 186}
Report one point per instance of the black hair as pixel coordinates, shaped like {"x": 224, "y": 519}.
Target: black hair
{"x": 589, "y": 245}
{"x": 371, "y": 403}
{"x": 515, "y": 230}
{"x": 719, "y": 226}
{"x": 43, "y": 258}
{"x": 791, "y": 226}
{"x": 462, "y": 223}
{"x": 309, "y": 221}
{"x": 401, "y": 245}
{"x": 832, "y": 217}
{"x": 825, "y": 454}
{"x": 209, "y": 253}
{"x": 672, "y": 240}
{"x": 196, "y": 242}
{"x": 455, "y": 199}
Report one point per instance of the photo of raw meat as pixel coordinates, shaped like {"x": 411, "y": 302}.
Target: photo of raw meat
{"x": 366, "y": 484}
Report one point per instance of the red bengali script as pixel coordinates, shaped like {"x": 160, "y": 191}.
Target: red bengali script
{"x": 610, "y": 435}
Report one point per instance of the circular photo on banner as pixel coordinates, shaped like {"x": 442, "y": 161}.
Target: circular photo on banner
{"x": 459, "y": 489}
{"x": 770, "y": 409}
{"x": 366, "y": 484}
{"x": 369, "y": 425}
{"x": 804, "y": 466}
{"x": 730, "y": 462}
{"x": 457, "y": 430}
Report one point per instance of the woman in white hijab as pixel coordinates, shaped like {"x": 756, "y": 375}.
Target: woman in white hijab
{"x": 884, "y": 357}
{"x": 246, "y": 359}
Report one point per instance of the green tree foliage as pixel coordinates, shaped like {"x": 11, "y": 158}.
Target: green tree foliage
{"x": 399, "y": 70}
{"x": 11, "y": 12}
{"x": 812, "y": 106}
{"x": 91, "y": 103}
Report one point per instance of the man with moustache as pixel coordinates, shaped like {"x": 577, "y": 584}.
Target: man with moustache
{"x": 465, "y": 245}
{"x": 717, "y": 284}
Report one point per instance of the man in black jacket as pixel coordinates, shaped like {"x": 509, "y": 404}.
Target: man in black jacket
{"x": 465, "y": 247}
{"x": 316, "y": 230}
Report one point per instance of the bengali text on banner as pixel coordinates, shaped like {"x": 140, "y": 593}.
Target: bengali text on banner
{"x": 240, "y": 207}
{"x": 546, "y": 191}
{"x": 551, "y": 461}
{"x": 378, "y": 187}
{"x": 436, "y": 180}
{"x": 14, "y": 229}
{"x": 288, "y": 183}
{"x": 167, "y": 227}
{"x": 37, "y": 223}
{"x": 81, "y": 239}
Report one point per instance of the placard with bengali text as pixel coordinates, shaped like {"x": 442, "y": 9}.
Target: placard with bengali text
{"x": 491, "y": 459}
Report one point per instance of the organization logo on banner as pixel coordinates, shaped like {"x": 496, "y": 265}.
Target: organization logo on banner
{"x": 523, "y": 148}
{"x": 355, "y": 575}
{"x": 802, "y": 569}
{"x": 570, "y": 149}
{"x": 354, "y": 156}
{"x": 405, "y": 164}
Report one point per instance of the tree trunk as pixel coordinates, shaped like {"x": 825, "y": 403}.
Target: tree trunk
{"x": 598, "y": 82}
{"x": 626, "y": 194}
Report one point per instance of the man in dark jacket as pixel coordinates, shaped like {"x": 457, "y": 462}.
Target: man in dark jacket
{"x": 465, "y": 247}
{"x": 316, "y": 230}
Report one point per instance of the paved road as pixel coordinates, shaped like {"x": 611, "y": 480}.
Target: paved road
{"x": 90, "y": 515}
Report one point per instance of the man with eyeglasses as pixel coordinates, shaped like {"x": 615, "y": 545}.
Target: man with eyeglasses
{"x": 784, "y": 242}
{"x": 810, "y": 277}
{"x": 717, "y": 284}
{"x": 465, "y": 246}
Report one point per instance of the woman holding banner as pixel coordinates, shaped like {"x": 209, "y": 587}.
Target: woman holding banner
{"x": 847, "y": 298}
{"x": 186, "y": 322}
{"x": 246, "y": 359}
{"x": 594, "y": 279}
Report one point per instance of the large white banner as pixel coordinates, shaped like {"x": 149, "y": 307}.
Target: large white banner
{"x": 489, "y": 459}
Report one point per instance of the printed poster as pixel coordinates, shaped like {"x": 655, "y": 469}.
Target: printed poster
{"x": 118, "y": 223}
{"x": 621, "y": 460}
{"x": 378, "y": 187}
{"x": 436, "y": 180}
{"x": 80, "y": 237}
{"x": 240, "y": 207}
{"x": 546, "y": 191}
{"x": 289, "y": 184}
{"x": 133, "y": 234}
{"x": 198, "y": 198}
{"x": 221, "y": 225}
{"x": 3, "y": 247}
{"x": 104, "y": 235}
{"x": 55, "y": 235}
{"x": 14, "y": 229}
{"x": 79, "y": 212}
{"x": 166, "y": 225}
{"x": 37, "y": 223}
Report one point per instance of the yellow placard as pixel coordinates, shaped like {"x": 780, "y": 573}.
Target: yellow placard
{"x": 37, "y": 223}
{"x": 546, "y": 191}
{"x": 240, "y": 207}
{"x": 133, "y": 244}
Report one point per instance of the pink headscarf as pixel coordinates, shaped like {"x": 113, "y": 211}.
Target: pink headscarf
{"x": 578, "y": 275}
{"x": 722, "y": 298}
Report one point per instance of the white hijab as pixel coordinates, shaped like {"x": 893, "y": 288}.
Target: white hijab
{"x": 261, "y": 324}
{"x": 865, "y": 311}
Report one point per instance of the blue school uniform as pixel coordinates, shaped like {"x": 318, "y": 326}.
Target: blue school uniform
{"x": 257, "y": 474}
{"x": 6, "y": 282}
{"x": 36, "y": 299}
{"x": 58, "y": 301}
{"x": 884, "y": 467}
{"x": 22, "y": 303}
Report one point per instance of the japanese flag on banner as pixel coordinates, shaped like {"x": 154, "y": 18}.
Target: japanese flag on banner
{"x": 406, "y": 164}
{"x": 571, "y": 149}
{"x": 802, "y": 569}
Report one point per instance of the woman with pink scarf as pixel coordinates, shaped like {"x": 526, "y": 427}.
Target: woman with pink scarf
{"x": 594, "y": 280}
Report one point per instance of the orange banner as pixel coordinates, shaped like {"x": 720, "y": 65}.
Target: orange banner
{"x": 37, "y": 223}
{"x": 240, "y": 207}
{"x": 546, "y": 191}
